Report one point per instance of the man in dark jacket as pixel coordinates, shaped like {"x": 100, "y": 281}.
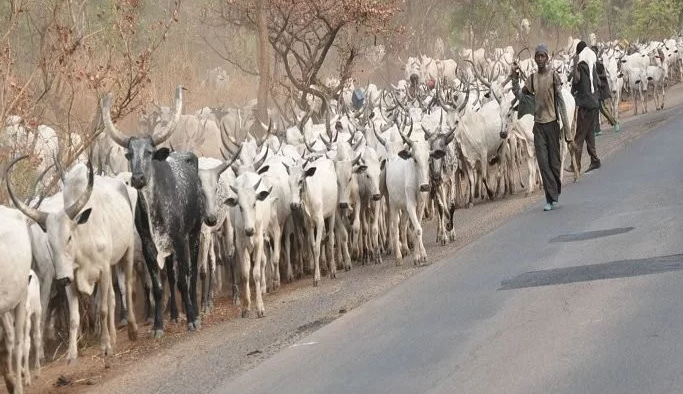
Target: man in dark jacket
{"x": 605, "y": 95}
{"x": 588, "y": 107}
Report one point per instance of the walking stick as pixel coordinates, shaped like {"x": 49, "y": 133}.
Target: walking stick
{"x": 572, "y": 147}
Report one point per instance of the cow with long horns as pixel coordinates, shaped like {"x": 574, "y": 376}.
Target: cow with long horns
{"x": 91, "y": 233}
{"x": 169, "y": 211}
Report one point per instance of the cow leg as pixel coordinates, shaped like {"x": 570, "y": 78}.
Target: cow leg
{"x": 111, "y": 315}
{"x": 26, "y": 371}
{"x": 329, "y": 246}
{"x": 276, "y": 239}
{"x": 104, "y": 285}
{"x": 203, "y": 268}
{"x": 316, "y": 240}
{"x": 170, "y": 277}
{"x": 244, "y": 259}
{"x": 129, "y": 264}
{"x": 120, "y": 293}
{"x": 420, "y": 252}
{"x": 256, "y": 274}
{"x": 289, "y": 277}
{"x": 181, "y": 248}
{"x": 394, "y": 234}
{"x": 343, "y": 245}
{"x": 193, "y": 260}
{"x": 6, "y": 345}
{"x": 38, "y": 340}
{"x": 212, "y": 272}
{"x": 146, "y": 282}
{"x": 375, "y": 231}
{"x": 74, "y": 322}
{"x": 472, "y": 185}
{"x": 403, "y": 228}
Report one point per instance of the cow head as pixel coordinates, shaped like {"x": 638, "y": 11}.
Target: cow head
{"x": 210, "y": 180}
{"x": 247, "y": 194}
{"x": 346, "y": 178}
{"x": 62, "y": 227}
{"x": 141, "y": 151}
{"x": 418, "y": 152}
{"x": 297, "y": 181}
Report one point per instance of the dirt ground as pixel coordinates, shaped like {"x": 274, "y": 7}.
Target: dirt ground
{"x": 296, "y": 309}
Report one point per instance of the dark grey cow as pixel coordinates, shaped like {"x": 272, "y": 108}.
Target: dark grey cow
{"x": 169, "y": 212}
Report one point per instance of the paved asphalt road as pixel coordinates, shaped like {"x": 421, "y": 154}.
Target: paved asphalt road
{"x": 584, "y": 299}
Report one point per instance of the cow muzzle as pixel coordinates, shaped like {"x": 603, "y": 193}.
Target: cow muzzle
{"x": 63, "y": 282}
{"x": 424, "y": 188}
{"x": 343, "y": 205}
{"x": 210, "y": 220}
{"x": 249, "y": 231}
{"x": 376, "y": 197}
{"x": 138, "y": 181}
{"x": 295, "y": 206}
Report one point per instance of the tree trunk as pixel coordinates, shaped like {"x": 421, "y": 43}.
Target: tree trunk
{"x": 263, "y": 66}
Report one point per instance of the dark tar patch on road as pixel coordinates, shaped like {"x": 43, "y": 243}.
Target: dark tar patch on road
{"x": 585, "y": 273}
{"x": 590, "y": 235}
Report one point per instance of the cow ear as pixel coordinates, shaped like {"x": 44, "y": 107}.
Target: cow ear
{"x": 84, "y": 216}
{"x": 264, "y": 194}
{"x": 263, "y": 169}
{"x": 310, "y": 171}
{"x": 382, "y": 164}
{"x": 231, "y": 201}
{"x": 360, "y": 169}
{"x": 161, "y": 154}
{"x": 404, "y": 154}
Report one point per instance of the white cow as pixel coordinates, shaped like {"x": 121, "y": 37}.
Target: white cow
{"x": 407, "y": 177}
{"x": 249, "y": 212}
{"x": 313, "y": 185}
{"x": 15, "y": 265}
{"x": 92, "y": 232}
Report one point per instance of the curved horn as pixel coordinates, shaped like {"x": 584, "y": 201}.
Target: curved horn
{"x": 226, "y": 139}
{"x": 34, "y": 214}
{"x": 379, "y": 137}
{"x": 358, "y": 143}
{"x": 34, "y": 188}
{"x": 76, "y": 207}
{"x": 224, "y": 166}
{"x": 309, "y": 147}
{"x": 476, "y": 74}
{"x": 357, "y": 159}
{"x": 113, "y": 132}
{"x": 257, "y": 164}
{"x": 107, "y": 161}
{"x": 57, "y": 157}
{"x": 406, "y": 139}
{"x": 467, "y": 98}
{"x": 165, "y": 133}
{"x": 258, "y": 184}
{"x": 426, "y": 132}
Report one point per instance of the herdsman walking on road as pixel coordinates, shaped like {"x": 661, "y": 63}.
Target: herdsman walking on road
{"x": 545, "y": 86}
{"x": 586, "y": 91}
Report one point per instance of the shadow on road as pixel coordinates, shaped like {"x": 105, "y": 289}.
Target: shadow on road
{"x": 585, "y": 273}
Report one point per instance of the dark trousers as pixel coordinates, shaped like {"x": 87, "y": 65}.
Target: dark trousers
{"x": 547, "y": 144}
{"x": 587, "y": 121}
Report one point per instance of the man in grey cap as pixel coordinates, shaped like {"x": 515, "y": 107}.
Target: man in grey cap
{"x": 545, "y": 86}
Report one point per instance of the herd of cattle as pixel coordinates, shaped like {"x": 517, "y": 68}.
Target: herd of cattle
{"x": 356, "y": 173}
